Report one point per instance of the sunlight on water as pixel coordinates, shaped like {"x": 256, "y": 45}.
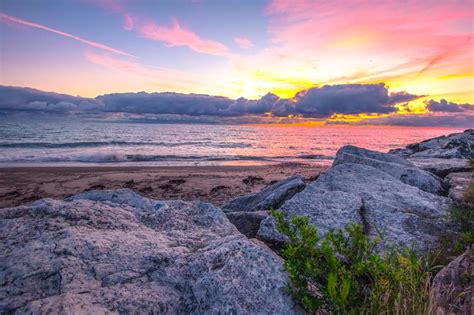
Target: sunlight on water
{"x": 86, "y": 143}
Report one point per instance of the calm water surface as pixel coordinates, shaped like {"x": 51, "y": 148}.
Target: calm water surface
{"x": 72, "y": 142}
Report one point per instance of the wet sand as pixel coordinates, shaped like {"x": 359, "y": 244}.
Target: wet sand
{"x": 215, "y": 184}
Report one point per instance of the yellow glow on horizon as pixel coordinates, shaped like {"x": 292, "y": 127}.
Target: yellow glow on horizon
{"x": 315, "y": 123}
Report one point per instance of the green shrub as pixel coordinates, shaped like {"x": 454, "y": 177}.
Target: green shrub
{"x": 348, "y": 273}
{"x": 462, "y": 214}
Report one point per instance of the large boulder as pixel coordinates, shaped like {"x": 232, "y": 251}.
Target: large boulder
{"x": 452, "y": 291}
{"x": 442, "y": 167}
{"x": 117, "y": 252}
{"x": 393, "y": 165}
{"x": 369, "y": 154}
{"x": 271, "y": 197}
{"x": 457, "y": 145}
{"x": 326, "y": 209}
{"x": 404, "y": 214}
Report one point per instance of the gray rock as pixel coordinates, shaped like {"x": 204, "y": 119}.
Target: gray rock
{"x": 452, "y": 289}
{"x": 406, "y": 215}
{"x": 247, "y": 223}
{"x": 117, "y": 252}
{"x": 393, "y": 165}
{"x": 457, "y": 145}
{"x": 271, "y": 197}
{"x": 458, "y": 183}
{"x": 375, "y": 155}
{"x": 326, "y": 208}
{"x": 442, "y": 167}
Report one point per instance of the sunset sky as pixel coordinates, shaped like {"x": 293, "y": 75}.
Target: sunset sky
{"x": 423, "y": 51}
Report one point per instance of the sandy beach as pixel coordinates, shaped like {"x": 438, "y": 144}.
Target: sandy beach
{"x": 215, "y": 184}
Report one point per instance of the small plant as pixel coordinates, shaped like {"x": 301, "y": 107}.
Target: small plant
{"x": 346, "y": 272}
{"x": 463, "y": 215}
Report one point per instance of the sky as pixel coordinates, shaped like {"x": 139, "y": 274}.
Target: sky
{"x": 301, "y": 61}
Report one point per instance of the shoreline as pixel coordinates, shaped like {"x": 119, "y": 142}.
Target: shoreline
{"x": 216, "y": 184}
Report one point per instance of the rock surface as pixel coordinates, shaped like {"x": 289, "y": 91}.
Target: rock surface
{"x": 393, "y": 165}
{"x": 271, "y": 197}
{"x": 457, "y": 145}
{"x": 378, "y": 198}
{"x": 452, "y": 291}
{"x": 369, "y": 154}
{"x": 117, "y": 252}
{"x": 247, "y": 223}
{"x": 442, "y": 167}
{"x": 458, "y": 183}
{"x": 326, "y": 208}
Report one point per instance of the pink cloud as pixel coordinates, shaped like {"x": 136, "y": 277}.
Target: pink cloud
{"x": 8, "y": 19}
{"x": 387, "y": 26}
{"x": 243, "y": 42}
{"x": 421, "y": 35}
{"x": 176, "y": 35}
{"x": 128, "y": 22}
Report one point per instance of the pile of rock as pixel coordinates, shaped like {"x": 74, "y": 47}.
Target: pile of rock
{"x": 383, "y": 192}
{"x": 117, "y": 252}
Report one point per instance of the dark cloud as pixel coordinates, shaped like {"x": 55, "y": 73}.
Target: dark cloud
{"x": 319, "y": 102}
{"x": 316, "y": 102}
{"x": 447, "y": 107}
{"x": 401, "y": 97}
{"x": 245, "y": 106}
{"x": 165, "y": 103}
{"x": 26, "y": 99}
{"x": 343, "y": 99}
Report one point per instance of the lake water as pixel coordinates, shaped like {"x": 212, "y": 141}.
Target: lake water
{"x": 73, "y": 142}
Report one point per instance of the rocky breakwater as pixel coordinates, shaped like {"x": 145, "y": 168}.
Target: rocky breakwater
{"x": 441, "y": 155}
{"x": 386, "y": 193}
{"x": 117, "y": 252}
{"x": 383, "y": 192}
{"x": 405, "y": 196}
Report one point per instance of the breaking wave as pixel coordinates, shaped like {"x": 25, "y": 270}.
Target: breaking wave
{"x": 119, "y": 157}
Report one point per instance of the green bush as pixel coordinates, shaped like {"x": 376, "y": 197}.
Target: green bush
{"x": 348, "y": 273}
{"x": 462, "y": 214}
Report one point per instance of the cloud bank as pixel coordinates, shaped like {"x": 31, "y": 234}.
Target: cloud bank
{"x": 316, "y": 103}
{"x": 343, "y": 99}
{"x": 448, "y": 107}
{"x": 27, "y": 99}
